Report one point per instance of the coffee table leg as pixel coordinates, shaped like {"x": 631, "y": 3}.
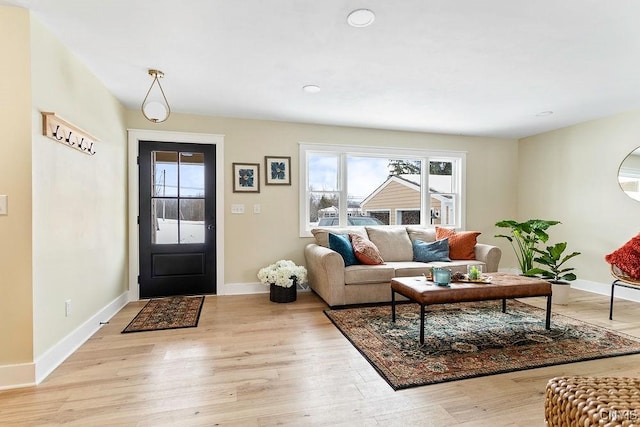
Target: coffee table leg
{"x": 504, "y": 305}
{"x": 548, "y": 320}
{"x": 421, "y": 323}
{"x": 393, "y": 306}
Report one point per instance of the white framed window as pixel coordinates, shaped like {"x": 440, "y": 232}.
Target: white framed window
{"x": 358, "y": 186}
{"x": 405, "y": 216}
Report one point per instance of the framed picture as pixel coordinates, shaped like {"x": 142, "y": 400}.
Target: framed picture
{"x": 277, "y": 170}
{"x": 246, "y": 177}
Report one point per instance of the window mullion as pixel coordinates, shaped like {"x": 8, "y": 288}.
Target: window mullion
{"x": 343, "y": 191}
{"x": 425, "y": 202}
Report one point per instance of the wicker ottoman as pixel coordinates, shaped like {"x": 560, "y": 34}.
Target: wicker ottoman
{"x": 589, "y": 401}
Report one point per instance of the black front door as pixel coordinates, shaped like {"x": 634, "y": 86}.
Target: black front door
{"x": 177, "y": 219}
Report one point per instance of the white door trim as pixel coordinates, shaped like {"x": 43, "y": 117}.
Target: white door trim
{"x": 136, "y": 135}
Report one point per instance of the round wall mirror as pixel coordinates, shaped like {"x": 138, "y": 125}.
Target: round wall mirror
{"x": 629, "y": 174}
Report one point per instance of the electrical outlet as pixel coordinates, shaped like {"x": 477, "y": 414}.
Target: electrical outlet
{"x": 67, "y": 308}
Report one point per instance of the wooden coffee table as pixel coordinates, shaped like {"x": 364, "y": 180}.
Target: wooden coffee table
{"x": 503, "y": 286}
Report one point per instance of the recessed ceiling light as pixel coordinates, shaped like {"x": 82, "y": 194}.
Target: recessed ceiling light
{"x": 361, "y": 18}
{"x": 544, "y": 113}
{"x": 311, "y": 88}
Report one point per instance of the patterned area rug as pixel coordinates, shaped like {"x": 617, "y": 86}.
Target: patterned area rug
{"x": 167, "y": 313}
{"x": 470, "y": 340}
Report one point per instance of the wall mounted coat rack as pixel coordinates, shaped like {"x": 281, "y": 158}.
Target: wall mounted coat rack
{"x": 64, "y": 132}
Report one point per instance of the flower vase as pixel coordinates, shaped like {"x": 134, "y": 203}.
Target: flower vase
{"x": 282, "y": 294}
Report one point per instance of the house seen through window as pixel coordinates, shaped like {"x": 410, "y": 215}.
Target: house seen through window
{"x": 359, "y": 187}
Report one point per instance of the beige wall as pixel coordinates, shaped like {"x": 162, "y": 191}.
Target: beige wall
{"x": 16, "y": 327}
{"x": 570, "y": 175}
{"x": 632, "y": 161}
{"x": 79, "y": 201}
{"x": 255, "y": 240}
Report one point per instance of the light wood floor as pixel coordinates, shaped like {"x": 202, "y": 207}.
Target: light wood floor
{"x": 251, "y": 362}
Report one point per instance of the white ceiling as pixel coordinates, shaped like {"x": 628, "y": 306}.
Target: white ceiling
{"x": 465, "y": 67}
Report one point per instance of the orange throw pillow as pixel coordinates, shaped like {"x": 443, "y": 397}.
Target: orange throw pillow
{"x": 461, "y": 245}
{"x": 365, "y": 250}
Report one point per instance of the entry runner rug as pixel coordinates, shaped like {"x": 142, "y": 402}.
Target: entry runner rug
{"x": 167, "y": 313}
{"x": 469, "y": 340}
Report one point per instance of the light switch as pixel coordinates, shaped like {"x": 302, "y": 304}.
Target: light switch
{"x": 237, "y": 209}
{"x": 256, "y": 209}
{"x": 4, "y": 208}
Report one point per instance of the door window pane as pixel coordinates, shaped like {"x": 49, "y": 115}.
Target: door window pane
{"x": 165, "y": 173}
{"x": 164, "y": 221}
{"x": 192, "y": 229}
{"x": 191, "y": 175}
{"x": 177, "y": 202}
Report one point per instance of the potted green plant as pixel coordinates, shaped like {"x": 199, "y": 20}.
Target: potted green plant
{"x": 524, "y": 237}
{"x": 552, "y": 258}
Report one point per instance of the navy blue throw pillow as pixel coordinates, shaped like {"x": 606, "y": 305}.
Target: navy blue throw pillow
{"x": 432, "y": 251}
{"x": 341, "y": 244}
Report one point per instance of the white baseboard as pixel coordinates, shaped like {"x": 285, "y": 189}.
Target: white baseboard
{"x": 249, "y": 288}
{"x": 57, "y": 354}
{"x": 605, "y": 289}
{"x": 30, "y": 374}
{"x": 595, "y": 287}
{"x": 242, "y": 288}
{"x": 17, "y": 376}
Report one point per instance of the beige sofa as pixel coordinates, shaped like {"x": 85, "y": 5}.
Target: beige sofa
{"x": 357, "y": 284}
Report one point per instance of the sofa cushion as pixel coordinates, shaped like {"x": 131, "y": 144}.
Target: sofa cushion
{"x": 421, "y": 233}
{"x": 431, "y": 251}
{"x": 365, "y": 274}
{"x": 366, "y": 252}
{"x": 461, "y": 244}
{"x": 410, "y": 268}
{"x": 322, "y": 234}
{"x": 392, "y": 242}
{"x": 341, "y": 244}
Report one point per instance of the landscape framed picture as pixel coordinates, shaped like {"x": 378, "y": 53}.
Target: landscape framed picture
{"x": 246, "y": 177}
{"x": 277, "y": 170}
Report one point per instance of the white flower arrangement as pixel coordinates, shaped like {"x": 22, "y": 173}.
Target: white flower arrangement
{"x": 282, "y": 273}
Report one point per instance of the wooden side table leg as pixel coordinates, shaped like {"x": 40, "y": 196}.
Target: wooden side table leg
{"x": 504, "y": 305}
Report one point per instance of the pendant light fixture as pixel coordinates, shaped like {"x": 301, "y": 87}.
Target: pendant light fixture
{"x": 155, "y": 106}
